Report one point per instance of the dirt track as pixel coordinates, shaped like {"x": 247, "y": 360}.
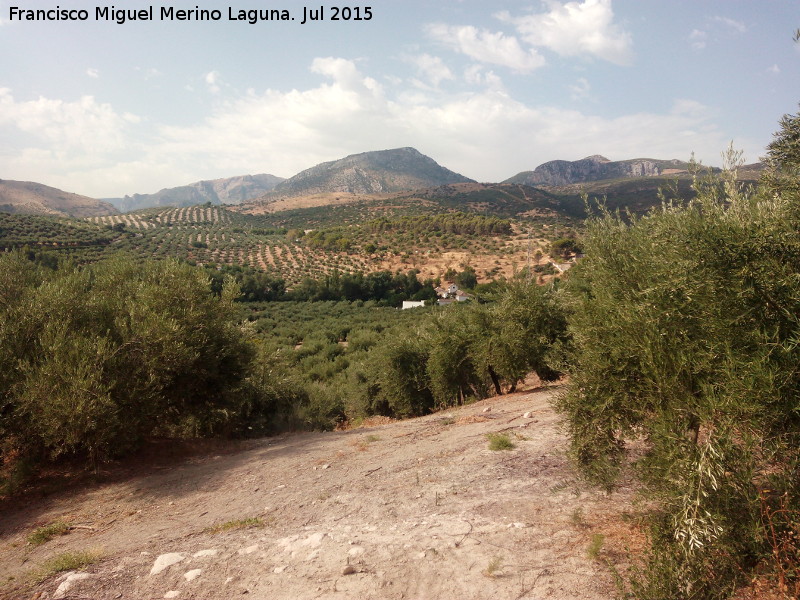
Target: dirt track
{"x": 414, "y": 510}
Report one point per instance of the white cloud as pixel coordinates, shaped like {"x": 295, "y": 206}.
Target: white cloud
{"x": 93, "y": 73}
{"x": 212, "y": 81}
{"x": 731, "y": 24}
{"x": 774, "y": 70}
{"x": 431, "y": 68}
{"x": 698, "y": 39}
{"x": 89, "y": 148}
{"x": 149, "y": 73}
{"x": 83, "y": 125}
{"x": 66, "y": 142}
{"x": 487, "y": 47}
{"x": 477, "y": 75}
{"x": 580, "y": 89}
{"x": 576, "y": 28}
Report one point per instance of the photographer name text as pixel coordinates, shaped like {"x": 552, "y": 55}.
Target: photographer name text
{"x": 120, "y": 16}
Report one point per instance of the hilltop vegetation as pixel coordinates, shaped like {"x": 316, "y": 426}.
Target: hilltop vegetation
{"x": 41, "y": 231}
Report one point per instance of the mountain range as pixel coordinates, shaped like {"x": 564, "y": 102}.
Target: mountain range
{"x": 635, "y": 181}
{"x": 596, "y": 168}
{"x": 231, "y": 190}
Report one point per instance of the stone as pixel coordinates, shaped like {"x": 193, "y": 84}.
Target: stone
{"x": 172, "y": 594}
{"x": 69, "y": 581}
{"x": 348, "y": 570}
{"x": 527, "y": 415}
{"x": 166, "y": 560}
{"x": 204, "y": 553}
{"x": 192, "y": 575}
{"x": 487, "y": 409}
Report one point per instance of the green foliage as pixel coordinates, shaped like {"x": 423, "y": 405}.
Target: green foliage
{"x": 403, "y": 377}
{"x": 66, "y": 561}
{"x": 459, "y": 354}
{"x": 685, "y": 329}
{"x": 456, "y": 223}
{"x": 454, "y": 374}
{"x": 467, "y": 279}
{"x": 36, "y": 231}
{"x": 565, "y": 247}
{"x": 47, "y": 532}
{"x": 595, "y": 545}
{"x": 121, "y": 351}
{"x": 499, "y": 441}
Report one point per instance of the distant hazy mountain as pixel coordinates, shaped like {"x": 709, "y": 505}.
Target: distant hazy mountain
{"x": 231, "y": 190}
{"x": 383, "y": 171}
{"x": 596, "y": 168}
{"x": 35, "y": 198}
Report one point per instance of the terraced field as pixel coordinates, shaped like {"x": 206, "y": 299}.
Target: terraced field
{"x": 431, "y": 243}
{"x": 214, "y": 234}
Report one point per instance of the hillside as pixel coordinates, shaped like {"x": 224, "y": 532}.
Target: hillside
{"x": 596, "y": 168}
{"x": 634, "y": 185}
{"x": 383, "y": 171}
{"x": 230, "y": 190}
{"x": 490, "y": 199}
{"x": 27, "y": 197}
{"x": 217, "y": 235}
{"x": 412, "y": 509}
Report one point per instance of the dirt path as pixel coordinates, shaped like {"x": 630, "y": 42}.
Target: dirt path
{"x": 410, "y": 510}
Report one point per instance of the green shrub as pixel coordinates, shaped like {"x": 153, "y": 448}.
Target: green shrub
{"x": 66, "y": 561}
{"x": 47, "y": 532}
{"x": 685, "y": 326}
{"x": 122, "y": 351}
{"x": 499, "y": 441}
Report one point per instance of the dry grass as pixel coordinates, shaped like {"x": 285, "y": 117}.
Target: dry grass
{"x": 44, "y": 534}
{"x": 248, "y": 523}
{"x": 66, "y": 561}
{"x": 471, "y": 419}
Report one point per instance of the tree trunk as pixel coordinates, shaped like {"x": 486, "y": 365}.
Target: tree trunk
{"x": 496, "y": 381}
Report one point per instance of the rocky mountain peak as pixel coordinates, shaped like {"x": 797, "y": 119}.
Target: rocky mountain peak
{"x": 381, "y": 171}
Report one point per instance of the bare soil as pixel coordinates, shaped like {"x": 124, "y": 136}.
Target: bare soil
{"x": 407, "y": 510}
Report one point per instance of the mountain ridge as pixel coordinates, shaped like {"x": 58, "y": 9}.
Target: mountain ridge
{"x": 31, "y": 197}
{"x": 227, "y": 190}
{"x": 596, "y": 168}
{"x": 379, "y": 171}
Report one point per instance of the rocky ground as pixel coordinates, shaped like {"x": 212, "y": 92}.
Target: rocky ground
{"x": 408, "y": 510}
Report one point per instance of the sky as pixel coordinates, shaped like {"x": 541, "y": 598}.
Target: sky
{"x": 487, "y": 89}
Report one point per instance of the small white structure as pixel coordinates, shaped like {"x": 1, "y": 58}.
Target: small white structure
{"x": 563, "y": 267}
{"x": 412, "y": 303}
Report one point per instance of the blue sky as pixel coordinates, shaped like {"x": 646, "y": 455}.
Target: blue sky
{"x": 487, "y": 89}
